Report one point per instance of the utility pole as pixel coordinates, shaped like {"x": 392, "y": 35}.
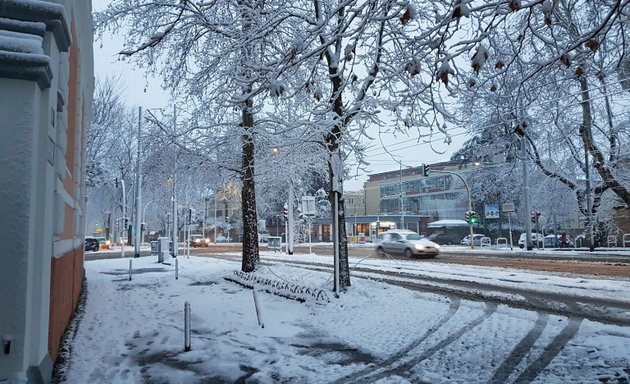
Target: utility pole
{"x": 290, "y": 220}
{"x": 402, "y": 201}
{"x": 124, "y": 215}
{"x": 137, "y": 223}
{"x": 528, "y": 227}
{"x": 174, "y": 199}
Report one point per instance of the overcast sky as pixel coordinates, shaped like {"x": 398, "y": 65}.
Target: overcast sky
{"x": 140, "y": 89}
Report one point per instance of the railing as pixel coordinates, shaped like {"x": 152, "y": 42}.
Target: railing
{"x": 502, "y": 242}
{"x": 612, "y": 241}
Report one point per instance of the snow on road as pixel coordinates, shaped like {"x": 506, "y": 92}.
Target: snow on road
{"x": 132, "y": 331}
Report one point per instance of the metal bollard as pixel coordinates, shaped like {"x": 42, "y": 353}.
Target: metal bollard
{"x": 130, "y": 269}
{"x": 176, "y": 268}
{"x": 258, "y": 313}
{"x": 186, "y": 326}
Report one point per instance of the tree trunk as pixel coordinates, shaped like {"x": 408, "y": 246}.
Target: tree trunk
{"x": 251, "y": 255}
{"x": 344, "y": 266}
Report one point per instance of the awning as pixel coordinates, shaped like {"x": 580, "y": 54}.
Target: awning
{"x": 447, "y": 223}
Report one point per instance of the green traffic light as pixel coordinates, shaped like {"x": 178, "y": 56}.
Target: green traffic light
{"x": 474, "y": 220}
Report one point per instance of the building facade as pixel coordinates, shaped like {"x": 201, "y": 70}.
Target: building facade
{"x": 46, "y": 86}
{"x": 441, "y": 195}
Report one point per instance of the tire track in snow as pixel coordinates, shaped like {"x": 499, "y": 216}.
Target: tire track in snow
{"x": 520, "y": 351}
{"x": 551, "y": 351}
{"x": 408, "y": 365}
{"x": 454, "y": 306}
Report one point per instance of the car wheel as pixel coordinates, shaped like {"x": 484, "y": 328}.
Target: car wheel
{"x": 380, "y": 251}
{"x": 408, "y": 253}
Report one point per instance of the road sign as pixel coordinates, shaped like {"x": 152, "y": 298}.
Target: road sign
{"x": 491, "y": 211}
{"x": 308, "y": 205}
{"x": 508, "y": 207}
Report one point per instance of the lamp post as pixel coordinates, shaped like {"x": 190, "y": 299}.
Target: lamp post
{"x": 138, "y": 191}
{"x": 144, "y": 214}
{"x": 205, "y": 214}
{"x": 174, "y": 215}
{"x": 124, "y": 214}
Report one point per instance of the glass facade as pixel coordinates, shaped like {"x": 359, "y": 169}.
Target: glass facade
{"x": 442, "y": 196}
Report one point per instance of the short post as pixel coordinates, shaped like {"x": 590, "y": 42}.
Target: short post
{"x": 176, "y": 268}
{"x": 258, "y": 313}
{"x": 130, "y": 260}
{"x": 186, "y": 326}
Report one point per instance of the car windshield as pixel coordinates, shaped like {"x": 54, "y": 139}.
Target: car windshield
{"x": 413, "y": 236}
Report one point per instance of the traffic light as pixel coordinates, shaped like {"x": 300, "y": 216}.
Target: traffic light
{"x": 126, "y": 223}
{"x": 285, "y": 212}
{"x": 425, "y": 170}
{"x": 378, "y": 225}
{"x": 533, "y": 215}
{"x": 471, "y": 217}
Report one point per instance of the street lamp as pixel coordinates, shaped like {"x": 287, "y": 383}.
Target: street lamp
{"x": 171, "y": 180}
{"x": 144, "y": 214}
{"x": 124, "y": 213}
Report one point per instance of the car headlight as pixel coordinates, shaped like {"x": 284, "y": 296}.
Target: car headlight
{"x": 197, "y": 240}
{"x": 437, "y": 246}
{"x": 108, "y": 242}
{"x": 419, "y": 247}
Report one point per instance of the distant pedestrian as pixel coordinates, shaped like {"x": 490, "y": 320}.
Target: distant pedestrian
{"x": 564, "y": 240}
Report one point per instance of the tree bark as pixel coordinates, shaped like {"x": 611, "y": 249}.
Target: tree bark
{"x": 251, "y": 256}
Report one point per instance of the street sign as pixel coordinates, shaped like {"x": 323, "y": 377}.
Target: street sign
{"x": 508, "y": 207}
{"x": 308, "y": 205}
{"x": 491, "y": 211}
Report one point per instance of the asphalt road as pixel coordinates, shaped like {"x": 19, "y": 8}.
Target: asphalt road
{"x": 613, "y": 263}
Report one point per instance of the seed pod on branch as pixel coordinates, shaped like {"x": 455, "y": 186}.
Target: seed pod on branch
{"x": 413, "y": 67}
{"x": 461, "y": 10}
{"x": 410, "y": 14}
{"x": 592, "y": 44}
{"x": 444, "y": 71}
{"x": 479, "y": 58}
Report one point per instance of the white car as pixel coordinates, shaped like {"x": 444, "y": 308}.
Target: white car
{"x": 537, "y": 240}
{"x": 476, "y": 239}
{"x": 407, "y": 243}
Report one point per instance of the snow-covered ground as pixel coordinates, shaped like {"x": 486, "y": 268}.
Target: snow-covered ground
{"x": 133, "y": 331}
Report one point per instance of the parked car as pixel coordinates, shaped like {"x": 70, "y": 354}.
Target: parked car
{"x": 537, "y": 240}
{"x": 476, "y": 239}
{"x": 222, "y": 239}
{"x": 556, "y": 241}
{"x": 91, "y": 244}
{"x": 407, "y": 243}
{"x": 103, "y": 243}
{"x": 442, "y": 239}
{"x": 199, "y": 241}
